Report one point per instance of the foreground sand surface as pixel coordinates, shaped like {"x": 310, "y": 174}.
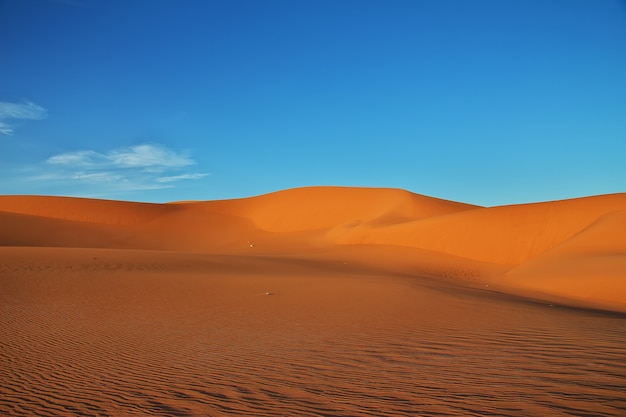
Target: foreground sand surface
{"x": 321, "y": 301}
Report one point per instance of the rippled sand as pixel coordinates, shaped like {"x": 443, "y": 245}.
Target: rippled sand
{"x": 320, "y": 301}
{"x": 133, "y": 333}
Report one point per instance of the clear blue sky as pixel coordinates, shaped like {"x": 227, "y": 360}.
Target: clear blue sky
{"x": 484, "y": 101}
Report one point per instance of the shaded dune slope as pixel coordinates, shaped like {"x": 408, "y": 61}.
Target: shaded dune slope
{"x": 507, "y": 234}
{"x": 316, "y": 208}
{"x": 572, "y": 250}
{"x": 77, "y": 222}
{"x": 589, "y": 267}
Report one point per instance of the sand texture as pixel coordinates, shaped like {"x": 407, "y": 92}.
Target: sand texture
{"x": 320, "y": 301}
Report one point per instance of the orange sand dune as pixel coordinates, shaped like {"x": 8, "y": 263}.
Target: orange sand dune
{"x": 84, "y": 209}
{"x": 506, "y": 234}
{"x": 589, "y": 267}
{"x": 315, "y": 208}
{"x": 321, "y": 301}
{"x": 550, "y": 249}
{"x": 77, "y": 222}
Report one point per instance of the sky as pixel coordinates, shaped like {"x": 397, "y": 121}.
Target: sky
{"x": 489, "y": 102}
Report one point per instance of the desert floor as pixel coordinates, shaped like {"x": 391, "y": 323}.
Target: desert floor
{"x": 227, "y": 308}
{"x": 97, "y": 332}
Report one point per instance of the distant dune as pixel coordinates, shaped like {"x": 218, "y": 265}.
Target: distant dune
{"x": 571, "y": 251}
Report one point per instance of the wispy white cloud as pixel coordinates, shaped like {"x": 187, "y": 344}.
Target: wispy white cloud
{"x": 5, "y": 128}
{"x": 79, "y": 158}
{"x": 153, "y": 157}
{"x": 149, "y": 156}
{"x": 98, "y": 176}
{"x": 181, "y": 177}
{"x": 140, "y": 167}
{"x": 25, "y": 110}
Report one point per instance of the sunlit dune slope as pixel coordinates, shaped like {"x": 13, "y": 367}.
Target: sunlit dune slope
{"x": 329, "y": 215}
{"x": 573, "y": 249}
{"x": 589, "y": 267}
{"x": 507, "y": 234}
{"x": 316, "y": 208}
{"x": 281, "y": 220}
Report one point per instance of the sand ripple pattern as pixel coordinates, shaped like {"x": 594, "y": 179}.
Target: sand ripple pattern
{"x": 100, "y": 357}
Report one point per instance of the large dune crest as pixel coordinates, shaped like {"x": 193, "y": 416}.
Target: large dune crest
{"x": 316, "y": 208}
{"x": 572, "y": 250}
{"x": 85, "y": 210}
{"x": 506, "y": 234}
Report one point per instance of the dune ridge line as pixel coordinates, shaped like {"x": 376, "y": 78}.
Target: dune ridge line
{"x": 573, "y": 251}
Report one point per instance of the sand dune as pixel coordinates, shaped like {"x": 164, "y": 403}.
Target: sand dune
{"x": 589, "y": 267}
{"x": 316, "y": 208}
{"x": 321, "y": 301}
{"x": 531, "y": 240}
{"x": 507, "y": 234}
{"x": 84, "y": 209}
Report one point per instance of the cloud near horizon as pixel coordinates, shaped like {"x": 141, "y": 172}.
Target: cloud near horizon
{"x": 25, "y": 110}
{"x": 181, "y": 177}
{"x": 134, "y": 168}
{"x": 151, "y": 157}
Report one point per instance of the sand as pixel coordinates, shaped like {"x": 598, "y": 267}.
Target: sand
{"x": 320, "y": 301}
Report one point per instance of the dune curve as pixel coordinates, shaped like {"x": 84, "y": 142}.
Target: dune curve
{"x": 328, "y": 301}
{"x": 528, "y": 240}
